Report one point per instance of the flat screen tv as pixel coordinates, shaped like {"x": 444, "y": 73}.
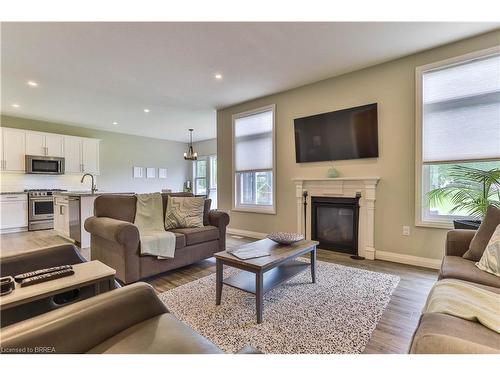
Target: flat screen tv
{"x": 346, "y": 134}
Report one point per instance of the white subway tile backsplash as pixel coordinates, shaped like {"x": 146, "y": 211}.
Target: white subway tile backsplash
{"x": 21, "y": 181}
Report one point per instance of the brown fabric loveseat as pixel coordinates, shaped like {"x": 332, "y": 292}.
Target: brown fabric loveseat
{"x": 442, "y": 333}
{"x": 115, "y": 239}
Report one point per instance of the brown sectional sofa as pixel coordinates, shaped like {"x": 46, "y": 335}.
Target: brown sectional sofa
{"x": 115, "y": 239}
{"x": 442, "y": 333}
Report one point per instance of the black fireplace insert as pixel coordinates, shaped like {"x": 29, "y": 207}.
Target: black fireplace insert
{"x": 335, "y": 223}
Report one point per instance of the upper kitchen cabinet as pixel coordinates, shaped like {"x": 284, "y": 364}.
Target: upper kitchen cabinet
{"x": 13, "y": 150}
{"x": 44, "y": 144}
{"x": 73, "y": 155}
{"x": 90, "y": 155}
{"x": 81, "y": 155}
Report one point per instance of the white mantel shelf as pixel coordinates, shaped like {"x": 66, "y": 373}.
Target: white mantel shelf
{"x": 341, "y": 187}
{"x": 336, "y": 179}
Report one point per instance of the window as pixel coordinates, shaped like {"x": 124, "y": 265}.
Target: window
{"x": 253, "y": 161}
{"x": 458, "y": 124}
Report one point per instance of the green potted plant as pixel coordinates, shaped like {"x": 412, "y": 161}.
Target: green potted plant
{"x": 470, "y": 191}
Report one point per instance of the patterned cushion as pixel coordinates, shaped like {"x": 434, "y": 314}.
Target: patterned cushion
{"x": 490, "y": 261}
{"x": 184, "y": 212}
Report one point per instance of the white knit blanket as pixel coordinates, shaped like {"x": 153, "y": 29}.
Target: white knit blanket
{"x": 149, "y": 221}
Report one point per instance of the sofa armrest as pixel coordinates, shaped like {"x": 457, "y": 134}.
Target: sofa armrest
{"x": 218, "y": 218}
{"x": 41, "y": 258}
{"x": 458, "y": 241}
{"x": 79, "y": 327}
{"x": 122, "y": 232}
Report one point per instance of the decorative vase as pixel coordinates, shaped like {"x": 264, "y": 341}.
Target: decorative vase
{"x": 332, "y": 173}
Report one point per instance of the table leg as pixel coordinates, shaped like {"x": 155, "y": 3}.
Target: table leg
{"x": 259, "y": 295}
{"x": 218, "y": 281}
{"x": 313, "y": 264}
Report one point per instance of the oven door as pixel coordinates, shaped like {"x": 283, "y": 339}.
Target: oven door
{"x": 44, "y": 165}
{"x": 41, "y": 208}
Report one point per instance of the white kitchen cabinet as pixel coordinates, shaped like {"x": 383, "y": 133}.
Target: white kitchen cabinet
{"x": 61, "y": 216}
{"x": 90, "y": 155}
{"x": 73, "y": 155}
{"x": 35, "y": 143}
{"x": 13, "y": 150}
{"x": 44, "y": 144}
{"x": 54, "y": 145}
{"x": 14, "y": 212}
{"x": 81, "y": 155}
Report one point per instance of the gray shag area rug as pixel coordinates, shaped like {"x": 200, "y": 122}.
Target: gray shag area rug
{"x": 336, "y": 315}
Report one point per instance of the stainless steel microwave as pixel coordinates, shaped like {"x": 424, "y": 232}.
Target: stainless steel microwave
{"x": 44, "y": 164}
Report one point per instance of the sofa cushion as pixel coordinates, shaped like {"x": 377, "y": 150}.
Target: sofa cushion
{"x": 157, "y": 335}
{"x": 184, "y": 212}
{"x": 483, "y": 234}
{"x": 441, "y": 333}
{"x": 198, "y": 235}
{"x": 459, "y": 268}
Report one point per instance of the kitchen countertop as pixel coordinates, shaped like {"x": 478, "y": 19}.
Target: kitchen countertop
{"x": 86, "y": 193}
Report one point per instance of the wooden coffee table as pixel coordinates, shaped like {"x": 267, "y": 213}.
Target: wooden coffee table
{"x": 259, "y": 275}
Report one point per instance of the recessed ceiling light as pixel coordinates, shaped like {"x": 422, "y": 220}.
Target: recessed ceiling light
{"x": 115, "y": 123}
{"x": 32, "y": 84}
{"x": 146, "y": 110}
{"x": 218, "y": 76}
{"x": 15, "y": 105}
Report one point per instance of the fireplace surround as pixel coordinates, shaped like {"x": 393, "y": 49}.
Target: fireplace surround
{"x": 341, "y": 187}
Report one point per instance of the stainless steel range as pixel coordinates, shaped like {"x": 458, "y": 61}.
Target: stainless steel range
{"x": 40, "y": 208}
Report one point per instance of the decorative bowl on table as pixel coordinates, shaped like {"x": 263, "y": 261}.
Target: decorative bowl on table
{"x": 285, "y": 238}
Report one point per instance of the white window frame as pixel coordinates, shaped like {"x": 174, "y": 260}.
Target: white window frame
{"x": 271, "y": 210}
{"x": 444, "y": 221}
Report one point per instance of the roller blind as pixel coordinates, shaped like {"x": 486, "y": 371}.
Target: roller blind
{"x": 461, "y": 111}
{"x": 253, "y": 142}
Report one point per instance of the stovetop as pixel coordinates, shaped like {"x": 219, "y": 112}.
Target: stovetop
{"x": 41, "y": 192}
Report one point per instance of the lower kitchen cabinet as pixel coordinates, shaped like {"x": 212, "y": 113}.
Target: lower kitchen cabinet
{"x": 61, "y": 216}
{"x": 14, "y": 212}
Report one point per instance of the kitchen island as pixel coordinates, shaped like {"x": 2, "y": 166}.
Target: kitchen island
{"x": 71, "y": 209}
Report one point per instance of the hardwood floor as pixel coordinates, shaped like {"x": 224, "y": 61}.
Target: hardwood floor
{"x": 392, "y": 335}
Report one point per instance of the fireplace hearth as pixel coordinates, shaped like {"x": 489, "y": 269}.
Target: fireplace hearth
{"x": 335, "y": 223}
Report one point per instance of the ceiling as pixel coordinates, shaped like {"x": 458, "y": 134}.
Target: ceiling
{"x": 94, "y": 74}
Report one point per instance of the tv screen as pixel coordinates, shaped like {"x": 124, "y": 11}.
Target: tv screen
{"x": 346, "y": 134}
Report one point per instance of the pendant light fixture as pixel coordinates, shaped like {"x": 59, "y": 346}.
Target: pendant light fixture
{"x": 190, "y": 154}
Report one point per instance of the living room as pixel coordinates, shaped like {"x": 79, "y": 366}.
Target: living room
{"x": 252, "y": 187}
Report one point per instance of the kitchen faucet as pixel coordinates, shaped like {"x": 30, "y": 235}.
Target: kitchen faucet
{"x": 94, "y": 188}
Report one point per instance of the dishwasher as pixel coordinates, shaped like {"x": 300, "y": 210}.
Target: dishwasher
{"x": 75, "y": 225}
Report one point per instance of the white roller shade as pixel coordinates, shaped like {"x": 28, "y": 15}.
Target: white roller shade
{"x": 461, "y": 111}
{"x": 253, "y": 142}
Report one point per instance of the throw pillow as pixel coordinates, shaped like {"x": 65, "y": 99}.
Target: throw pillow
{"x": 490, "y": 261}
{"x": 184, "y": 212}
{"x": 483, "y": 234}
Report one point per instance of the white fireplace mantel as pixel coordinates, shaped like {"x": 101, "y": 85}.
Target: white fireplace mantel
{"x": 341, "y": 187}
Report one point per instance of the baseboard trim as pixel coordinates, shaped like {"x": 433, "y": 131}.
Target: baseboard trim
{"x": 379, "y": 255}
{"x": 246, "y": 233}
{"x": 408, "y": 259}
